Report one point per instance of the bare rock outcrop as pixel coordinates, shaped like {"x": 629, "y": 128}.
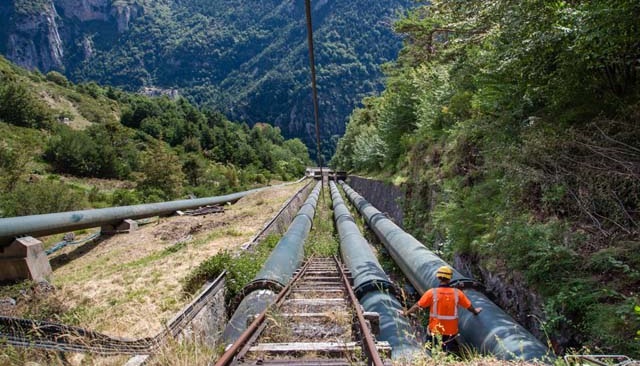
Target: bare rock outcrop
{"x": 36, "y": 38}
{"x": 35, "y": 42}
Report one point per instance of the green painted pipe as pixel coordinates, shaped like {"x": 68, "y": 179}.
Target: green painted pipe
{"x": 371, "y": 284}
{"x": 493, "y": 331}
{"x": 276, "y": 272}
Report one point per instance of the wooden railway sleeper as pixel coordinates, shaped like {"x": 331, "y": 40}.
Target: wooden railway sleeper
{"x": 317, "y": 322}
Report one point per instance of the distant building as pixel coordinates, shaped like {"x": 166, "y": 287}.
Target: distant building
{"x": 314, "y": 172}
{"x": 152, "y": 91}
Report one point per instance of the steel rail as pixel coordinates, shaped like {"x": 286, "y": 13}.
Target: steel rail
{"x": 230, "y": 353}
{"x": 368, "y": 343}
{"x": 493, "y": 331}
{"x": 59, "y": 337}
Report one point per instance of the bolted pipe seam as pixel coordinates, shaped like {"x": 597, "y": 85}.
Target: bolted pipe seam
{"x": 372, "y": 286}
{"x": 493, "y": 331}
{"x": 277, "y": 271}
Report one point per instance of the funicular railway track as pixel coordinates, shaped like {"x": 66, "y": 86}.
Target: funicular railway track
{"x": 316, "y": 317}
{"x": 315, "y": 320}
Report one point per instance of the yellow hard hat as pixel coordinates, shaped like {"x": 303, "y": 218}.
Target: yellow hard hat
{"x": 444, "y": 272}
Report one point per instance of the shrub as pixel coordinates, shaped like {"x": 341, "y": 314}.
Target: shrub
{"x": 18, "y": 106}
{"x": 162, "y": 172}
{"x": 98, "y": 152}
{"x": 58, "y": 78}
{"x": 41, "y": 197}
{"x": 12, "y": 164}
{"x": 240, "y": 269}
{"x": 125, "y": 197}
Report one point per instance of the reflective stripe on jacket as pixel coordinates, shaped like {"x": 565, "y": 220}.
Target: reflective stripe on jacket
{"x": 434, "y": 308}
{"x": 443, "y": 304}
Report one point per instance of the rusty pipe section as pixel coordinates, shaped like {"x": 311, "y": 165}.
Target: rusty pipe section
{"x": 371, "y": 284}
{"x": 61, "y": 222}
{"x": 277, "y": 271}
{"x": 493, "y": 331}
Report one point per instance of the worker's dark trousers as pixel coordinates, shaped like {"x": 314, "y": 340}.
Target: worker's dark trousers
{"x": 447, "y": 342}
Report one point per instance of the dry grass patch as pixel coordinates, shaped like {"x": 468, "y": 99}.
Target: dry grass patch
{"x": 129, "y": 285}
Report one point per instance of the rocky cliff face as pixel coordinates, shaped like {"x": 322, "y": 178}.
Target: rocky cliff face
{"x": 85, "y": 10}
{"x": 108, "y": 11}
{"x": 40, "y": 39}
{"x": 34, "y": 40}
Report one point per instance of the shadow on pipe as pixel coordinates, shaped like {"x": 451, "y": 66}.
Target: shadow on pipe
{"x": 277, "y": 271}
{"x": 493, "y": 331}
{"x": 371, "y": 285}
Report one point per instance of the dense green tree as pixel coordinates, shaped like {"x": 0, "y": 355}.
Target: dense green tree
{"x": 162, "y": 172}
{"x": 194, "y": 167}
{"x": 515, "y": 128}
{"x": 12, "y": 169}
{"x": 41, "y": 196}
{"x": 103, "y": 151}
{"x": 20, "y": 107}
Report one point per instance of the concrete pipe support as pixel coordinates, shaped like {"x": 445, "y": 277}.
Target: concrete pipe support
{"x": 61, "y": 222}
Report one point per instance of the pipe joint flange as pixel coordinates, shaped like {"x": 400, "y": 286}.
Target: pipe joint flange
{"x": 382, "y": 215}
{"x": 305, "y": 215}
{"x": 255, "y": 285}
{"x": 346, "y": 216}
{"x": 465, "y": 283}
{"x": 378, "y": 286}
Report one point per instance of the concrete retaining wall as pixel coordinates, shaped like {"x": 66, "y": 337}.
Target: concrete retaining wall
{"x": 384, "y": 196}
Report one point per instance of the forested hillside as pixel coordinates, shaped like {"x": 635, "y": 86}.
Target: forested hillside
{"x": 65, "y": 146}
{"x": 514, "y": 128}
{"x": 247, "y": 59}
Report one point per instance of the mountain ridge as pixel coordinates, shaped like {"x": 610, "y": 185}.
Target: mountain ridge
{"x": 245, "y": 59}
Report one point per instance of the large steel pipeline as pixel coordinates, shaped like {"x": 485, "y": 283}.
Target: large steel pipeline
{"x": 277, "y": 271}
{"x": 55, "y": 223}
{"x": 493, "y": 331}
{"x": 371, "y": 284}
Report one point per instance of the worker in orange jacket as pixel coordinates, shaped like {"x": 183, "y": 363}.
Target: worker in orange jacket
{"x": 443, "y": 302}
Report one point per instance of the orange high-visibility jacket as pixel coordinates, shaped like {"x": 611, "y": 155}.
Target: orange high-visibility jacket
{"x": 443, "y": 305}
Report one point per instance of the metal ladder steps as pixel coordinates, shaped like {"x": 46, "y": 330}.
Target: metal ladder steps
{"x": 311, "y": 288}
{"x": 323, "y": 278}
{"x": 317, "y": 293}
{"x": 311, "y": 285}
{"x": 321, "y": 271}
{"x": 319, "y": 280}
{"x": 307, "y": 289}
{"x": 307, "y": 316}
{"x": 316, "y": 301}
